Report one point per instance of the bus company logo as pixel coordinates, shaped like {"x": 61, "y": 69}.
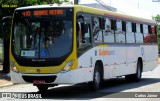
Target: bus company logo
{"x": 104, "y": 52}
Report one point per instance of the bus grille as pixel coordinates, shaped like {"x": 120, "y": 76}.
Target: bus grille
{"x": 47, "y": 79}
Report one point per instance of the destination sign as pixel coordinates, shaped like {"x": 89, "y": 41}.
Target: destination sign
{"x": 51, "y": 12}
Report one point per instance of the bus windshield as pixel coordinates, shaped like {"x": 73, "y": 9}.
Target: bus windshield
{"x": 41, "y": 37}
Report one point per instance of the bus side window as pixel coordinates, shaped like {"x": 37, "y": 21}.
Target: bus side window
{"x": 78, "y": 31}
{"x": 124, "y": 26}
{"x": 113, "y": 25}
{"x": 134, "y": 31}
{"x": 120, "y": 35}
{"x": 153, "y": 34}
{"x": 107, "y": 32}
{"x": 97, "y": 32}
{"x": 138, "y": 34}
{"x": 129, "y": 34}
{"x": 149, "y": 29}
{"x": 83, "y": 33}
{"x": 141, "y": 27}
{"x": 146, "y": 34}
{"x": 87, "y": 34}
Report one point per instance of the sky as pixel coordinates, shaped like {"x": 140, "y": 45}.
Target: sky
{"x": 139, "y": 8}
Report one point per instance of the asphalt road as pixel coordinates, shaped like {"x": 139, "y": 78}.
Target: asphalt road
{"x": 112, "y": 90}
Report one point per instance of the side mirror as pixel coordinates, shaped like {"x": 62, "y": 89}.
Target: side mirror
{"x": 4, "y": 28}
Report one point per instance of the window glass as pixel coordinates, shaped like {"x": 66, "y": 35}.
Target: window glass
{"x": 97, "y": 32}
{"x": 129, "y": 28}
{"x": 146, "y": 34}
{"x": 43, "y": 38}
{"x": 141, "y": 28}
{"x": 120, "y": 35}
{"x": 83, "y": 31}
{"x": 145, "y": 28}
{"x": 138, "y": 34}
{"x": 130, "y": 38}
{"x": 138, "y": 28}
{"x": 124, "y": 26}
{"x": 108, "y": 33}
{"x": 113, "y": 24}
{"x": 133, "y": 27}
{"x": 87, "y": 35}
{"x": 153, "y": 34}
{"x": 119, "y": 25}
{"x": 149, "y": 29}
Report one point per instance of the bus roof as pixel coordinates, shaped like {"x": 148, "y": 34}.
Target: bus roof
{"x": 114, "y": 14}
{"x": 94, "y": 11}
{"x": 44, "y": 6}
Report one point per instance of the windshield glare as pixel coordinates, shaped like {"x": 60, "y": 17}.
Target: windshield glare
{"x": 42, "y": 38}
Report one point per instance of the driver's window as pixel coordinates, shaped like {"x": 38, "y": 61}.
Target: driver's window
{"x": 87, "y": 35}
{"x": 83, "y": 31}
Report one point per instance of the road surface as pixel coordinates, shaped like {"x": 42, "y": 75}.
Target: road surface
{"x": 112, "y": 90}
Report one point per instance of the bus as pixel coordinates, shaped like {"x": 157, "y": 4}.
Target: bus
{"x": 74, "y": 44}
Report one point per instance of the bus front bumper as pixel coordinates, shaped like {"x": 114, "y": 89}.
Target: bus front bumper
{"x": 69, "y": 77}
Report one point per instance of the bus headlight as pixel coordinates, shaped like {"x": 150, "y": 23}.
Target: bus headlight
{"x": 68, "y": 66}
{"x": 13, "y": 67}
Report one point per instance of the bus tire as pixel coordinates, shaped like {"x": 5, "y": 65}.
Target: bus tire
{"x": 42, "y": 88}
{"x": 95, "y": 84}
{"x": 137, "y": 76}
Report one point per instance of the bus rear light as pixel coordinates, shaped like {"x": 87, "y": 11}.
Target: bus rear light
{"x": 68, "y": 66}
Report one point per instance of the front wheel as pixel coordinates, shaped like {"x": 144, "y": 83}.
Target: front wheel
{"x": 95, "y": 84}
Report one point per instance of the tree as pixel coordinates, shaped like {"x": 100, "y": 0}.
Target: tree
{"x": 157, "y": 18}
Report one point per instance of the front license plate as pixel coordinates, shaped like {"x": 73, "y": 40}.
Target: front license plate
{"x": 38, "y": 81}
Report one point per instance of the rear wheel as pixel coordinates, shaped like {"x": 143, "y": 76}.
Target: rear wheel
{"x": 137, "y": 76}
{"x": 95, "y": 84}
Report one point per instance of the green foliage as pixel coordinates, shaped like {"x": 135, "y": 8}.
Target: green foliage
{"x": 44, "y": 2}
{"x": 9, "y": 1}
{"x": 0, "y": 29}
{"x": 32, "y": 2}
{"x": 158, "y": 34}
{"x": 157, "y": 18}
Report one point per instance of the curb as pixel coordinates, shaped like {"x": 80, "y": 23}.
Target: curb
{"x": 4, "y": 85}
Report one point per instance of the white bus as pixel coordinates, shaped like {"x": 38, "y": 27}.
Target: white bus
{"x": 72, "y": 44}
